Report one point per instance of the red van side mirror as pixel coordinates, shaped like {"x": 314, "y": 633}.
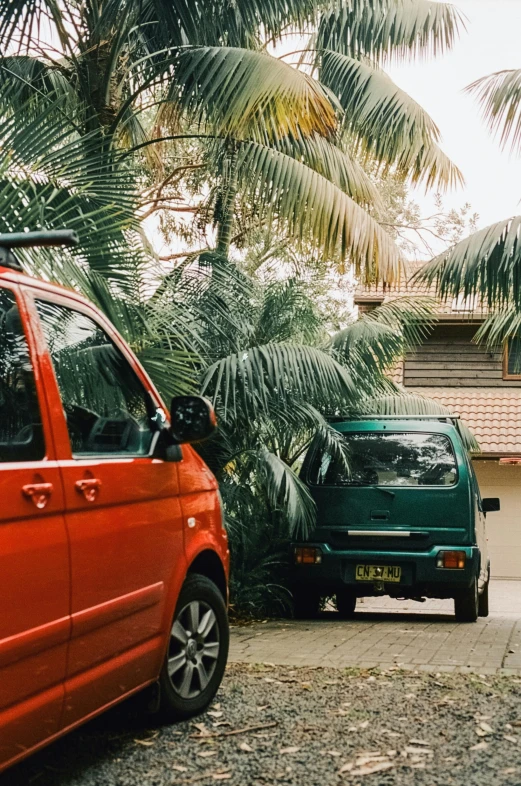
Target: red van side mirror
{"x": 192, "y": 419}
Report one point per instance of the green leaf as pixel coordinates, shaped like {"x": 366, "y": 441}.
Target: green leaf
{"x": 381, "y": 29}
{"x": 244, "y": 384}
{"x": 242, "y": 93}
{"x": 500, "y": 97}
{"x": 413, "y": 316}
{"x": 410, "y": 404}
{"x": 486, "y": 264}
{"x": 285, "y": 490}
{"x": 385, "y": 123}
{"x": 315, "y": 209}
{"x": 334, "y": 163}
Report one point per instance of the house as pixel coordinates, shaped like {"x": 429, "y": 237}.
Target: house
{"x": 484, "y": 388}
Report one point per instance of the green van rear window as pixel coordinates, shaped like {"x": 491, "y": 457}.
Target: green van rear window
{"x": 387, "y": 459}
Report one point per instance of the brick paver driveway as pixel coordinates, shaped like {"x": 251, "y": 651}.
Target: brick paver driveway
{"x": 386, "y": 633}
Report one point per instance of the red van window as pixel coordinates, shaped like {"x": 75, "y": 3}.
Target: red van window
{"x": 21, "y": 435}
{"x": 106, "y": 406}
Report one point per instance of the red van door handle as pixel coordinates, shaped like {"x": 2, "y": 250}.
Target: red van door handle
{"x": 89, "y": 487}
{"x": 39, "y": 493}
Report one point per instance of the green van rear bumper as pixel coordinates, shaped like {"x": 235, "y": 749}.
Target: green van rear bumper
{"x": 419, "y": 572}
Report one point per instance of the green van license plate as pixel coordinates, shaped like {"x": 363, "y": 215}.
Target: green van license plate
{"x": 378, "y": 573}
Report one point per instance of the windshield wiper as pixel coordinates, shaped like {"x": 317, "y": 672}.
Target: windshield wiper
{"x": 372, "y": 486}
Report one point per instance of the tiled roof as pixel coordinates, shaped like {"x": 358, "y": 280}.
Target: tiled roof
{"x": 493, "y": 414}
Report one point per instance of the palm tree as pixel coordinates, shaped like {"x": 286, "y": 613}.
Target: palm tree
{"x": 275, "y": 137}
{"x": 487, "y": 265}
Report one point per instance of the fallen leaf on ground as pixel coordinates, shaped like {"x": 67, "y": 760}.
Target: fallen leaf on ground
{"x": 510, "y": 738}
{"x": 509, "y": 771}
{"x": 206, "y": 754}
{"x": 289, "y": 750}
{"x": 364, "y": 725}
{"x": 201, "y": 727}
{"x": 334, "y": 753}
{"x": 486, "y": 727}
{"x": 418, "y": 751}
{"x": 245, "y": 747}
{"x": 215, "y": 713}
{"x": 221, "y": 776}
{"x": 263, "y": 707}
{"x": 306, "y": 686}
{"x": 480, "y": 746}
{"x": 368, "y": 758}
{"x": 179, "y": 768}
{"x": 346, "y": 767}
{"x": 370, "y": 769}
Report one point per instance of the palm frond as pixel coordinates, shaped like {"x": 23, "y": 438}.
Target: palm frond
{"x": 500, "y": 97}
{"x": 288, "y": 313}
{"x": 487, "y": 265}
{"x": 234, "y": 23}
{"x": 23, "y": 78}
{"x": 244, "y": 384}
{"x": 334, "y": 163}
{"x": 317, "y": 210}
{"x": 499, "y": 326}
{"x": 241, "y": 93}
{"x": 383, "y": 29}
{"x": 385, "y": 123}
{"x": 412, "y": 316}
{"x": 410, "y": 404}
{"x": 287, "y": 492}
{"x": 369, "y": 346}
{"x": 44, "y": 147}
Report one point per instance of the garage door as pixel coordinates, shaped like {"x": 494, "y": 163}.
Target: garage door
{"x": 504, "y": 528}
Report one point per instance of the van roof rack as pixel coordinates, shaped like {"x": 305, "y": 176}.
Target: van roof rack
{"x": 341, "y": 418}
{"x": 44, "y": 238}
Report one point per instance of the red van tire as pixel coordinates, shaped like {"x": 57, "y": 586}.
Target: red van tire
{"x": 466, "y": 604}
{"x": 197, "y": 650}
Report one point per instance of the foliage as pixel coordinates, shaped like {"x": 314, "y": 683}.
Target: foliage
{"x": 277, "y": 142}
{"x": 487, "y": 264}
{"x": 157, "y": 107}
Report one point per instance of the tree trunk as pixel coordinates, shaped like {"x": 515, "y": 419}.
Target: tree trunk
{"x": 229, "y": 189}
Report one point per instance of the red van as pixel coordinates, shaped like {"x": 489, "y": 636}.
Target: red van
{"x": 113, "y": 555}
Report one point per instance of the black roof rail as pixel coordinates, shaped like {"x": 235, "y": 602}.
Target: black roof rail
{"x": 46, "y": 238}
{"x": 341, "y": 418}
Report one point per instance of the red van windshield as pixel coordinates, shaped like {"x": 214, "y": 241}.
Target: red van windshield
{"x": 387, "y": 459}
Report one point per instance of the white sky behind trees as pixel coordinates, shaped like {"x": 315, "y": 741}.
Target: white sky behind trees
{"x": 491, "y": 43}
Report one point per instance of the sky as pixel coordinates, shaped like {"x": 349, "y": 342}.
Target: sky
{"x": 491, "y": 43}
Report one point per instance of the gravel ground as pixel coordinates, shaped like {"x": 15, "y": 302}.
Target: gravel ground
{"x": 306, "y": 727}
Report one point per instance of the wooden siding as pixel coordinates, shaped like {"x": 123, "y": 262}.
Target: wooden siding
{"x": 448, "y": 358}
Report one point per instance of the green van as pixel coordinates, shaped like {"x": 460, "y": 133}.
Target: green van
{"x": 399, "y": 513}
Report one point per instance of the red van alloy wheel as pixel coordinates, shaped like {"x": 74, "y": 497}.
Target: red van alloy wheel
{"x": 194, "y": 649}
{"x": 197, "y": 650}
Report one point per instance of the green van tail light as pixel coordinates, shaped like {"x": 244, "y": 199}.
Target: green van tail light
{"x": 452, "y": 560}
{"x": 307, "y": 556}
